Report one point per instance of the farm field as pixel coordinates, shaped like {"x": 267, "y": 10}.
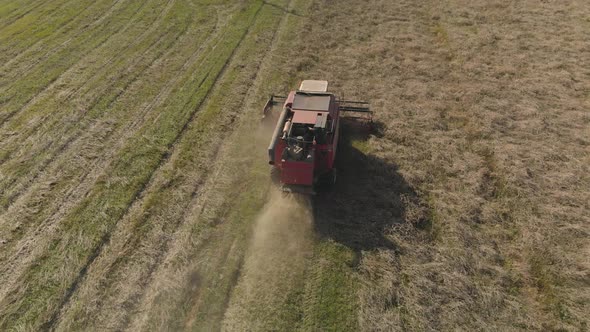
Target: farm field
{"x": 135, "y": 192}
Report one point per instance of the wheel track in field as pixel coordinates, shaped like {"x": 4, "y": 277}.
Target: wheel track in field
{"x": 75, "y": 123}
{"x": 199, "y": 192}
{"x": 26, "y": 247}
{"x": 42, "y": 90}
{"x": 235, "y": 275}
{"x": 135, "y": 238}
{"x": 38, "y": 44}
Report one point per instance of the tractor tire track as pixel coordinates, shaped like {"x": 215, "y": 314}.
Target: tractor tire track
{"x": 199, "y": 192}
{"x": 195, "y": 305}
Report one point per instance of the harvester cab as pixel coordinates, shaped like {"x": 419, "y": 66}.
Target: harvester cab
{"x": 304, "y": 143}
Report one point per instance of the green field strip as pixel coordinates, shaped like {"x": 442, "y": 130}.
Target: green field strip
{"x": 8, "y": 8}
{"x": 33, "y": 82}
{"x": 85, "y": 230}
{"x": 86, "y": 73}
{"x": 57, "y": 100}
{"x": 124, "y": 70}
{"x": 13, "y": 10}
{"x": 21, "y": 59}
{"x": 13, "y": 47}
{"x": 181, "y": 178}
{"x": 119, "y": 112}
{"x": 39, "y": 23}
{"x": 113, "y": 20}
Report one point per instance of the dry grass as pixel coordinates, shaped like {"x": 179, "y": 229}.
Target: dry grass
{"x": 484, "y": 108}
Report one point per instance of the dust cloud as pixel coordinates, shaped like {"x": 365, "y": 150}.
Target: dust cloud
{"x": 285, "y": 223}
{"x": 274, "y": 266}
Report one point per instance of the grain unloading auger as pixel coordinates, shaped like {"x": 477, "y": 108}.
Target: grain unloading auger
{"x": 304, "y": 143}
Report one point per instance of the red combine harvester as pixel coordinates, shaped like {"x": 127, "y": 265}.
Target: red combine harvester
{"x": 303, "y": 146}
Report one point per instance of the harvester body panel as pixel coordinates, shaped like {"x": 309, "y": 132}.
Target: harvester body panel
{"x": 297, "y": 173}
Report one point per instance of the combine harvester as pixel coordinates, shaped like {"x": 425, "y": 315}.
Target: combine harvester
{"x": 303, "y": 146}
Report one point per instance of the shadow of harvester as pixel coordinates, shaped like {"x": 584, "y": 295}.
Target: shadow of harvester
{"x": 368, "y": 199}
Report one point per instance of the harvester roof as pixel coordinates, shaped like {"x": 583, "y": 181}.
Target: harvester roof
{"x": 311, "y": 108}
{"x": 312, "y": 101}
{"x": 308, "y": 117}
